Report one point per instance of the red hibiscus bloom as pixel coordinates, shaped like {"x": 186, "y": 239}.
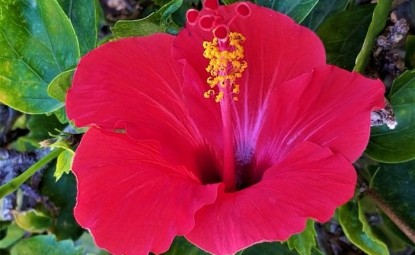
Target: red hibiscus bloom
{"x": 235, "y": 132}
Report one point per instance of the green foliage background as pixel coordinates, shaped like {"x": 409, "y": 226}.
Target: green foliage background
{"x": 41, "y": 42}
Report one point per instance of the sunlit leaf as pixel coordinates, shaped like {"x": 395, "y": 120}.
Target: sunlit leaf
{"x": 64, "y": 164}
{"x": 45, "y": 245}
{"x": 57, "y": 89}
{"x": 14, "y": 233}
{"x": 33, "y": 221}
{"x": 155, "y": 22}
{"x": 60, "y": 114}
{"x": 379, "y": 19}
{"x": 60, "y": 85}
{"x": 37, "y": 43}
{"x": 87, "y": 242}
{"x": 64, "y": 160}
{"x": 3, "y": 226}
{"x": 304, "y": 242}
{"x": 357, "y": 230}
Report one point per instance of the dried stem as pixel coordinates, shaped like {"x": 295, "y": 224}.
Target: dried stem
{"x": 399, "y": 222}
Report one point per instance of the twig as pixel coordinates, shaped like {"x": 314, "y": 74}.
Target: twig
{"x": 399, "y": 222}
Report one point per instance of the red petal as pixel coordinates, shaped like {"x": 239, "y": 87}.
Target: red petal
{"x": 310, "y": 183}
{"x": 134, "y": 83}
{"x": 276, "y": 50}
{"x": 132, "y": 201}
{"x": 329, "y": 106}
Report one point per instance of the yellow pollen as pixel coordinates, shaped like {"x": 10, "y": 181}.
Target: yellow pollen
{"x": 225, "y": 66}
{"x": 209, "y": 93}
{"x": 235, "y": 89}
{"x": 219, "y": 97}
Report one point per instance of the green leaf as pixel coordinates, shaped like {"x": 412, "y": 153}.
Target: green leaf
{"x": 3, "y": 225}
{"x": 87, "y": 242}
{"x": 45, "y": 245}
{"x": 179, "y": 16}
{"x": 158, "y": 21}
{"x": 64, "y": 163}
{"x": 397, "y": 145}
{"x": 268, "y": 248}
{"x": 228, "y": 2}
{"x": 322, "y": 11}
{"x": 304, "y": 242}
{"x": 33, "y": 221}
{"x": 181, "y": 246}
{"x": 40, "y": 126}
{"x": 410, "y": 51}
{"x": 37, "y": 43}
{"x": 14, "y": 233}
{"x": 393, "y": 238}
{"x": 343, "y": 34}
{"x": 60, "y": 114}
{"x": 62, "y": 193}
{"x": 60, "y": 85}
{"x": 379, "y": 19}
{"x": 395, "y": 183}
{"x": 83, "y": 15}
{"x": 357, "y": 230}
{"x": 296, "y": 9}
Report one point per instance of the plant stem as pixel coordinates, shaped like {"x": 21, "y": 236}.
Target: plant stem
{"x": 399, "y": 222}
{"x": 15, "y": 183}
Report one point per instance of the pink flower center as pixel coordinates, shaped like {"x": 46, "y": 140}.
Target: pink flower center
{"x": 226, "y": 65}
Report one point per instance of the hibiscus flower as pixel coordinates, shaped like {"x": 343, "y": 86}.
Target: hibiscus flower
{"x": 234, "y": 132}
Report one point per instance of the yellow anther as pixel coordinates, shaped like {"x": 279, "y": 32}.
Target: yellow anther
{"x": 209, "y": 93}
{"x": 225, "y": 65}
{"x": 219, "y": 97}
{"x": 235, "y": 89}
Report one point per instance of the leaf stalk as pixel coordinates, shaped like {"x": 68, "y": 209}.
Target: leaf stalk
{"x": 15, "y": 183}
